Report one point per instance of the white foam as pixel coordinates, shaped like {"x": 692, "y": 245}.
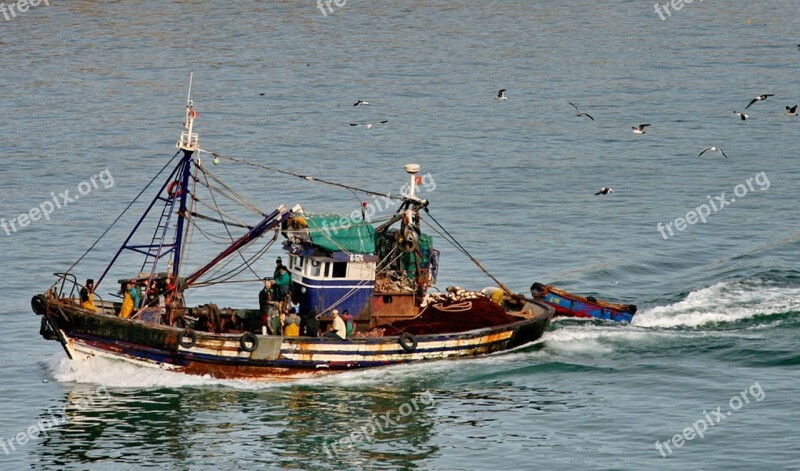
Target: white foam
{"x": 122, "y": 374}
{"x": 722, "y": 302}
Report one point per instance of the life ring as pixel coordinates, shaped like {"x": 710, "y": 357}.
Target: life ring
{"x": 174, "y": 189}
{"x": 192, "y": 113}
{"x": 407, "y": 341}
{"x": 536, "y": 289}
{"x": 192, "y": 339}
{"x": 246, "y": 339}
{"x": 408, "y": 242}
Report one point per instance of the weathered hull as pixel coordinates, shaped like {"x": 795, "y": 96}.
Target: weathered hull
{"x": 570, "y": 305}
{"x": 223, "y": 355}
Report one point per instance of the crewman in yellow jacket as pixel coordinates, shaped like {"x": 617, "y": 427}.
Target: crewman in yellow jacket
{"x": 292, "y": 325}
{"x": 127, "y": 301}
{"x": 87, "y": 296}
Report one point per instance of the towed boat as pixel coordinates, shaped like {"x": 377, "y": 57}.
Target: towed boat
{"x": 383, "y": 274}
{"x": 572, "y": 305}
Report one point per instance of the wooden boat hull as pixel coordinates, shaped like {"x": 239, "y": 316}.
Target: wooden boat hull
{"x": 274, "y": 358}
{"x": 571, "y": 305}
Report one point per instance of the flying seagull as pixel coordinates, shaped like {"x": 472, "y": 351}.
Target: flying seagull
{"x": 713, "y": 149}
{"x": 639, "y": 129}
{"x": 361, "y": 102}
{"x": 579, "y": 112}
{"x": 741, "y": 115}
{"x": 501, "y": 95}
{"x": 604, "y": 191}
{"x": 369, "y": 125}
{"x": 791, "y": 111}
{"x": 759, "y": 98}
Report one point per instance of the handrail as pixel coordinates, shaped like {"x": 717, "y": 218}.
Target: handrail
{"x": 64, "y": 278}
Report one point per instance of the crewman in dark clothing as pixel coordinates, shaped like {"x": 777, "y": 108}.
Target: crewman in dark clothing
{"x": 310, "y": 325}
{"x": 264, "y": 298}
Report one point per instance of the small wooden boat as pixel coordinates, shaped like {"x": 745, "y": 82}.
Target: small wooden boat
{"x": 382, "y": 275}
{"x": 572, "y": 305}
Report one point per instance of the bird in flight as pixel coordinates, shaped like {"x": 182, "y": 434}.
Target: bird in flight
{"x": 759, "y": 98}
{"x": 639, "y": 129}
{"x": 741, "y": 115}
{"x": 369, "y": 125}
{"x": 713, "y": 149}
{"x": 604, "y": 191}
{"x": 361, "y": 102}
{"x": 501, "y": 95}
{"x": 579, "y": 112}
{"x": 791, "y": 110}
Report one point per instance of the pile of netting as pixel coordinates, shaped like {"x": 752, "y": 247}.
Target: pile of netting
{"x": 457, "y": 310}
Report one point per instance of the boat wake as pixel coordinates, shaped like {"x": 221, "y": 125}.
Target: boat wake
{"x": 726, "y": 309}
{"x": 726, "y": 302}
{"x": 121, "y": 374}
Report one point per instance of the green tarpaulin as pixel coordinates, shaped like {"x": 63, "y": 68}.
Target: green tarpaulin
{"x": 338, "y": 232}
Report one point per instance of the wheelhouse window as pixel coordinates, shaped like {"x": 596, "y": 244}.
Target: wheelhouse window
{"x": 339, "y": 270}
{"x": 315, "y": 268}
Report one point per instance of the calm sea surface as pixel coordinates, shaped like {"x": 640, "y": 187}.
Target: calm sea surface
{"x": 94, "y": 86}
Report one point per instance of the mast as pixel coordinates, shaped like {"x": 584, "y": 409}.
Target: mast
{"x": 174, "y": 190}
{"x": 189, "y": 143}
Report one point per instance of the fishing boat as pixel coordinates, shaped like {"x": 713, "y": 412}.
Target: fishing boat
{"x": 384, "y": 274}
{"x": 572, "y": 305}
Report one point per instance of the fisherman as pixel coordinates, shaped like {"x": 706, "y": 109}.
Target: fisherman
{"x": 282, "y": 281}
{"x": 136, "y": 294}
{"x": 292, "y": 325}
{"x": 348, "y": 323}
{"x": 264, "y": 300}
{"x": 338, "y": 329}
{"x": 310, "y": 325}
{"x": 127, "y": 300}
{"x": 276, "y": 322}
{"x": 278, "y": 265}
{"x": 155, "y": 308}
{"x": 87, "y": 296}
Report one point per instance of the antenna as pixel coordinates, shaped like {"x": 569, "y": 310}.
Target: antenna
{"x": 189, "y": 141}
{"x": 189, "y": 95}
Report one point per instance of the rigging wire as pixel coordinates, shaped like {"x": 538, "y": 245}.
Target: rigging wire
{"x": 461, "y": 248}
{"x": 122, "y": 214}
{"x": 305, "y": 177}
{"x": 228, "y": 230}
